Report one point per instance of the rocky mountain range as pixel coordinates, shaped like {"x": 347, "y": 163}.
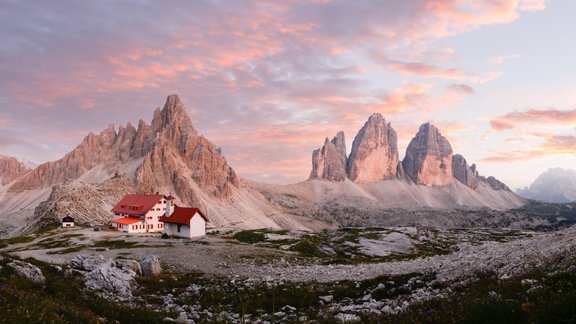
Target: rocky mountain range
{"x": 556, "y": 185}
{"x": 429, "y": 159}
{"x": 169, "y": 156}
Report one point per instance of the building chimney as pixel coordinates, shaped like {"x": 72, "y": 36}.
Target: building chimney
{"x": 169, "y": 205}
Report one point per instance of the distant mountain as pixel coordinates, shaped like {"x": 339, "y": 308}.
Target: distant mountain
{"x": 555, "y": 185}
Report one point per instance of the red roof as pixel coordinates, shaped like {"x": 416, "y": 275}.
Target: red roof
{"x": 170, "y": 197}
{"x": 127, "y": 220}
{"x": 137, "y": 205}
{"x": 182, "y": 215}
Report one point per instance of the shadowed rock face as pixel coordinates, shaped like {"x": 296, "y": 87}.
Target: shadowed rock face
{"x": 463, "y": 173}
{"x": 374, "y": 154}
{"x": 329, "y": 162}
{"x": 428, "y": 158}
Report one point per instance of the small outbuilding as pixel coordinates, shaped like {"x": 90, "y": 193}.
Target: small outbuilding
{"x": 184, "y": 222}
{"x": 68, "y": 221}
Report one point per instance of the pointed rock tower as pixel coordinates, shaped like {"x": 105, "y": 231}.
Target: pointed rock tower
{"x": 463, "y": 173}
{"x": 428, "y": 158}
{"x": 374, "y": 154}
{"x": 329, "y": 162}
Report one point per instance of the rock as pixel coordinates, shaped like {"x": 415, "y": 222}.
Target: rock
{"x": 329, "y": 162}
{"x": 129, "y": 264}
{"x": 428, "y": 159}
{"x": 150, "y": 265}
{"x": 27, "y": 271}
{"x": 168, "y": 320}
{"x": 347, "y": 318}
{"x": 110, "y": 282}
{"x": 463, "y": 173}
{"x": 327, "y": 299}
{"x": 279, "y": 315}
{"x": 182, "y": 318}
{"x": 85, "y": 262}
{"x": 374, "y": 154}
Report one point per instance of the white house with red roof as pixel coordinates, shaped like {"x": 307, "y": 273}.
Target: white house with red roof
{"x": 141, "y": 213}
{"x": 157, "y": 213}
{"x": 184, "y": 222}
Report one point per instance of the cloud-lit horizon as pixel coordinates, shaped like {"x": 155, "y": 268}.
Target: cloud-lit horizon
{"x": 267, "y": 81}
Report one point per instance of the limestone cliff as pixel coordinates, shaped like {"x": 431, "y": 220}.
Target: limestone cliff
{"x": 329, "y": 162}
{"x": 428, "y": 159}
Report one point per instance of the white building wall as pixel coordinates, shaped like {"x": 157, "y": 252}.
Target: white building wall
{"x": 68, "y": 224}
{"x": 152, "y": 216}
{"x": 197, "y": 226}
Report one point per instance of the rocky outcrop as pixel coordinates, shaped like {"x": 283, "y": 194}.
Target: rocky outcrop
{"x": 428, "y": 159}
{"x": 27, "y": 271}
{"x": 374, "y": 154}
{"x": 329, "y": 162}
{"x": 464, "y": 173}
{"x": 11, "y": 169}
{"x": 111, "y": 282}
{"x": 494, "y": 183}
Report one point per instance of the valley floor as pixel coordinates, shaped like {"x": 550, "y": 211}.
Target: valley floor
{"x": 353, "y": 273}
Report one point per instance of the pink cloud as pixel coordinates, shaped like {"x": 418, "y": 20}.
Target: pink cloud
{"x": 538, "y": 117}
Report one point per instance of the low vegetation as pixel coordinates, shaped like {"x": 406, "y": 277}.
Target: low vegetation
{"x": 61, "y": 299}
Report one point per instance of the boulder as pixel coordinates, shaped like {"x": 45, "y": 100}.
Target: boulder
{"x": 150, "y": 265}
{"x": 110, "y": 282}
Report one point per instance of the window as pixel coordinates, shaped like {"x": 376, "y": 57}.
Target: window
{"x": 158, "y": 209}
{"x": 179, "y": 226}
{"x": 164, "y": 208}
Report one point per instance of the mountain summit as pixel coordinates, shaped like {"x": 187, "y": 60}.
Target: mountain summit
{"x": 167, "y": 155}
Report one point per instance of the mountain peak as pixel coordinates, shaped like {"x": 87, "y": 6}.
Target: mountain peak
{"x": 374, "y": 154}
{"x": 428, "y": 159}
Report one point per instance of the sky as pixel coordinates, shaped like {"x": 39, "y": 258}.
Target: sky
{"x": 268, "y": 81}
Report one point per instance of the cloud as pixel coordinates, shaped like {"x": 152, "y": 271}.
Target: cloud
{"x": 540, "y": 117}
{"x": 249, "y": 65}
{"x": 553, "y": 145}
{"x": 503, "y": 58}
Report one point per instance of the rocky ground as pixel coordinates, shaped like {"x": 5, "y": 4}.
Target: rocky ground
{"x": 346, "y": 275}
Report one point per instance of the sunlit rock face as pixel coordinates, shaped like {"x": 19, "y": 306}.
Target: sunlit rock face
{"x": 329, "y": 162}
{"x": 428, "y": 158}
{"x": 11, "y": 168}
{"x": 374, "y": 154}
{"x": 169, "y": 150}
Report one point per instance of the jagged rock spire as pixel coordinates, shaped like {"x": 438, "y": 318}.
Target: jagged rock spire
{"x": 374, "y": 154}
{"x": 329, "y": 162}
